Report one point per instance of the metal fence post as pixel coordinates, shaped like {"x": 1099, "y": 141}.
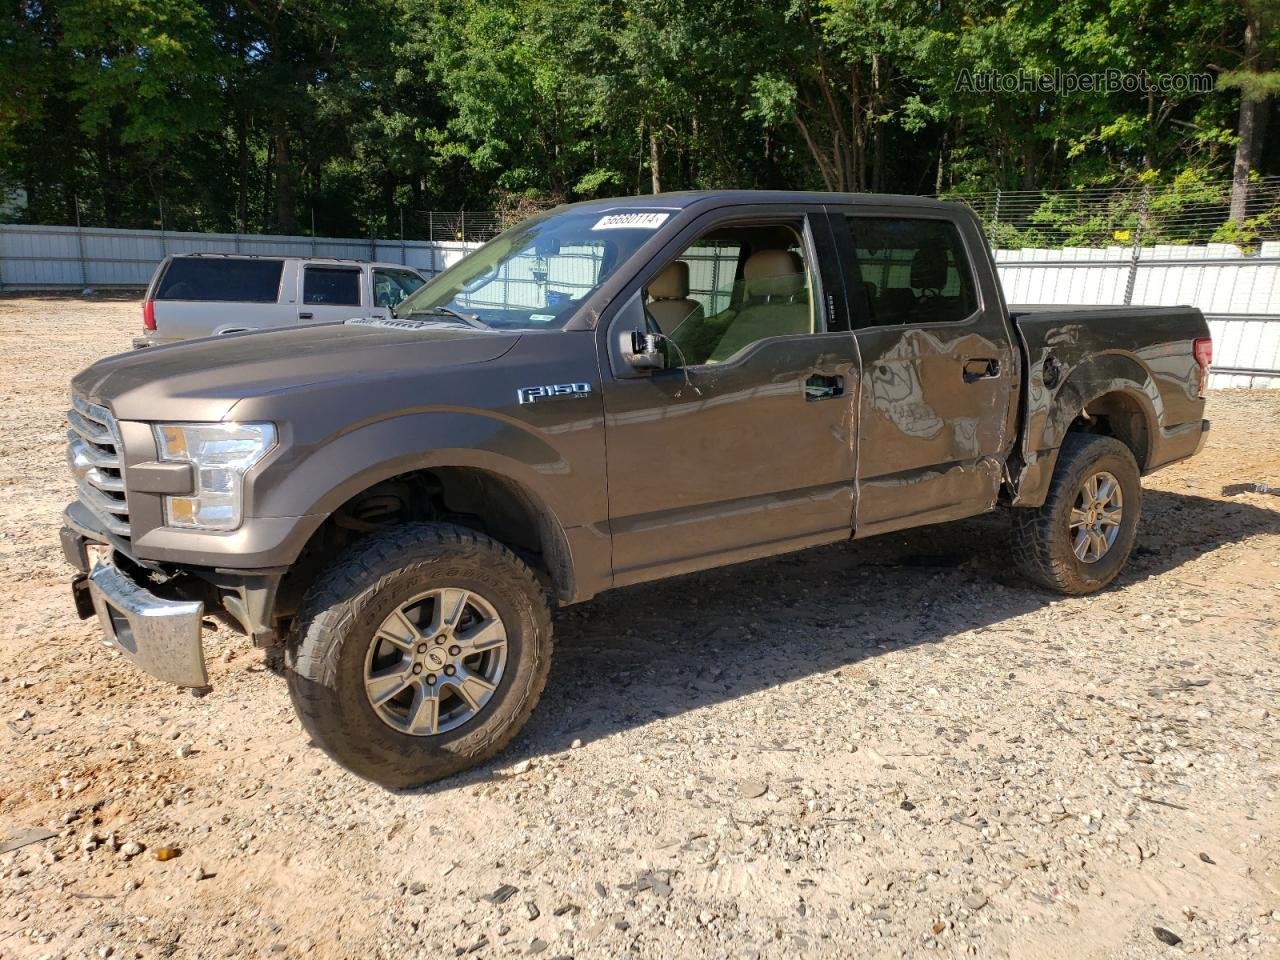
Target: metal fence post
{"x": 164, "y": 247}
{"x": 403, "y": 258}
{"x": 1135, "y": 252}
{"x": 995, "y": 220}
{"x": 84, "y": 272}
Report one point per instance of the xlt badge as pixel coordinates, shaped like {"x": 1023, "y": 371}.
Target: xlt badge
{"x": 532, "y": 394}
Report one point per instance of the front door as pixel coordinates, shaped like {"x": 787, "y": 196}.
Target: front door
{"x": 938, "y": 370}
{"x": 744, "y": 445}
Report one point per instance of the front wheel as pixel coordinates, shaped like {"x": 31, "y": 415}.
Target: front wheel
{"x": 1079, "y": 540}
{"x": 419, "y": 653}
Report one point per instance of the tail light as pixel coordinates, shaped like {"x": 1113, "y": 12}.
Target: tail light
{"x": 1203, "y": 352}
{"x": 149, "y": 314}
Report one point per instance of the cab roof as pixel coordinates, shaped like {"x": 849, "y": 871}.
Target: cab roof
{"x": 685, "y": 199}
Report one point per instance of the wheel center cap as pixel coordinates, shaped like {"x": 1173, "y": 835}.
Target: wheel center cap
{"x": 436, "y": 657}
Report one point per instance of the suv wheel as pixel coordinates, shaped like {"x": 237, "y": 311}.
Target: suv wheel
{"x": 419, "y": 653}
{"x": 1080, "y": 539}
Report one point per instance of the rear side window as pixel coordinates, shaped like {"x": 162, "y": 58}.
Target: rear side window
{"x": 333, "y": 286}
{"x": 912, "y": 271}
{"x": 713, "y": 266}
{"x": 213, "y": 278}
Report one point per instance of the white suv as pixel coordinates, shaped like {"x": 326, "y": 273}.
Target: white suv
{"x": 200, "y": 295}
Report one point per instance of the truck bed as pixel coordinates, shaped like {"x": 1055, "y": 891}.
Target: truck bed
{"x": 1140, "y": 359}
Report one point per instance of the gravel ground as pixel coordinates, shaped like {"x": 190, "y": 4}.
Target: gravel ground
{"x": 885, "y": 748}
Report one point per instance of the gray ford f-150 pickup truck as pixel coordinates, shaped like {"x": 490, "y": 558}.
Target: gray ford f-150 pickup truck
{"x": 612, "y": 392}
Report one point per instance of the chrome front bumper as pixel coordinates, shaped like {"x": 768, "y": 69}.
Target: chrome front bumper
{"x": 162, "y": 637}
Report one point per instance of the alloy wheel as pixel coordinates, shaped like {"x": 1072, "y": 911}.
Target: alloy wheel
{"x": 1095, "y": 517}
{"x": 435, "y": 662}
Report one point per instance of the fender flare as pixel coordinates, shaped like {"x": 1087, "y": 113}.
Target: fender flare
{"x": 1050, "y": 414}
{"x": 328, "y": 474}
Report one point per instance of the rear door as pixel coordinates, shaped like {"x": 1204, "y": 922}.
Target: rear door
{"x": 939, "y": 370}
{"x": 331, "y": 292}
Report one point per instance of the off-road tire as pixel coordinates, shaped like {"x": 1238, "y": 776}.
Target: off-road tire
{"x": 1042, "y": 548}
{"x": 349, "y": 601}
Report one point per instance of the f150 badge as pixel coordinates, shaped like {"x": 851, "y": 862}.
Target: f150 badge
{"x": 534, "y": 394}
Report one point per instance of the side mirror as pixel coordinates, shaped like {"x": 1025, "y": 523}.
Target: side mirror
{"x": 641, "y": 351}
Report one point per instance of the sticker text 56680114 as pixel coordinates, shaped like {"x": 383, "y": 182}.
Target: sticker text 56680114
{"x": 631, "y": 221}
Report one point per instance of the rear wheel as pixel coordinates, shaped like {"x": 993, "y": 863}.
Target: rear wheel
{"x": 1079, "y": 540}
{"x": 419, "y": 653}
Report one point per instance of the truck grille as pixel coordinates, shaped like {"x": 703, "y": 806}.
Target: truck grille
{"x": 94, "y": 455}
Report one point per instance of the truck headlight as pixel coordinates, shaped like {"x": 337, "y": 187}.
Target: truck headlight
{"x": 220, "y": 455}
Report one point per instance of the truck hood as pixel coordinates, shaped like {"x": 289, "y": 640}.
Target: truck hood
{"x": 201, "y": 380}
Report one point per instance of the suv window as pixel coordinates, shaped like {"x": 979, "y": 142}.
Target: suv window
{"x": 912, "y": 271}
{"x": 732, "y": 288}
{"x": 334, "y": 286}
{"x": 219, "y": 279}
{"x": 392, "y": 286}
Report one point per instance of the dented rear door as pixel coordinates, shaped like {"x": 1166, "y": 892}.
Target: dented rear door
{"x": 940, "y": 372}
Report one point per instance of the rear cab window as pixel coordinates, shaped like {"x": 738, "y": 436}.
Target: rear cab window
{"x": 221, "y": 279}
{"x": 331, "y": 286}
{"x": 911, "y": 271}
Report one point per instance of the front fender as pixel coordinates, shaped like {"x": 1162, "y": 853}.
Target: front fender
{"x": 325, "y": 476}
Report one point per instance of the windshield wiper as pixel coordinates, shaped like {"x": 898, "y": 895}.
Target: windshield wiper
{"x": 469, "y": 319}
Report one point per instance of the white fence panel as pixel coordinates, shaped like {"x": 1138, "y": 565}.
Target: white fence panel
{"x": 1246, "y": 343}
{"x": 1079, "y": 276}
{"x": 34, "y": 257}
{"x": 1217, "y": 278}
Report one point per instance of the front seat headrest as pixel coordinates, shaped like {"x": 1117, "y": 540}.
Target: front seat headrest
{"x": 929, "y": 268}
{"x": 773, "y": 273}
{"x": 672, "y": 283}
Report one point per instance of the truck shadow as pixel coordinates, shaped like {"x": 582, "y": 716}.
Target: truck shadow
{"x": 633, "y": 656}
{"x": 659, "y": 649}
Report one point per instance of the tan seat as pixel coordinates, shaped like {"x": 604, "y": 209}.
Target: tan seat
{"x": 669, "y": 301}
{"x": 777, "y": 302}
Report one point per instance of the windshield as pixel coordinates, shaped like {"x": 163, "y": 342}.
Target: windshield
{"x": 534, "y": 276}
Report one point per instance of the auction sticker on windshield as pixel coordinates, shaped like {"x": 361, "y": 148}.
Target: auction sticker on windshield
{"x": 631, "y": 221}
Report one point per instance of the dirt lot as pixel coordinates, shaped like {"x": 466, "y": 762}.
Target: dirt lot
{"x": 877, "y": 749}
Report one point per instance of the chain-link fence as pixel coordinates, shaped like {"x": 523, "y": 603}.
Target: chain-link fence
{"x": 1188, "y": 211}
{"x": 457, "y": 226}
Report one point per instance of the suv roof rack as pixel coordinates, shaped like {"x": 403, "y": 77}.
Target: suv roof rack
{"x": 273, "y": 256}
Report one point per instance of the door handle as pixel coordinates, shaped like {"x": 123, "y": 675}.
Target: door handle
{"x": 305, "y": 315}
{"x": 822, "y": 387}
{"x": 981, "y": 368}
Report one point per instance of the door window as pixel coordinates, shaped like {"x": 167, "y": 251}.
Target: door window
{"x": 911, "y": 271}
{"x": 732, "y": 288}
{"x": 392, "y": 286}
{"x": 331, "y": 286}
